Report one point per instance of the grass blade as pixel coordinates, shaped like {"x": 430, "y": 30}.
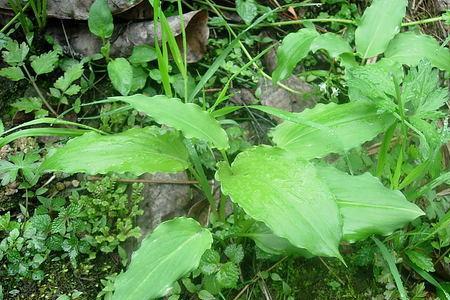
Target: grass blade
{"x": 389, "y": 258}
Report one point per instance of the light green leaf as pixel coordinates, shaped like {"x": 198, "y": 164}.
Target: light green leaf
{"x": 12, "y": 73}
{"x": 15, "y": 54}
{"x": 334, "y": 44}
{"x": 142, "y": 54}
{"x": 74, "y": 72}
{"x": 137, "y": 151}
{"x": 170, "y": 252}
{"x": 330, "y": 128}
{"x": 293, "y": 49}
{"x": 272, "y": 244}
{"x": 187, "y": 117}
{"x": 100, "y": 20}
{"x": 421, "y": 260}
{"x": 139, "y": 78}
{"x": 247, "y": 10}
{"x": 409, "y": 48}
{"x": 44, "y": 63}
{"x": 28, "y": 105}
{"x": 379, "y": 24}
{"x": 422, "y": 90}
{"x": 73, "y": 90}
{"x": 378, "y": 210}
{"x": 373, "y": 82}
{"x": 275, "y": 187}
{"x": 121, "y": 74}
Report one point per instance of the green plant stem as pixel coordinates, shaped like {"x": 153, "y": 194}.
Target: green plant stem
{"x": 183, "y": 35}
{"x": 401, "y": 108}
{"x": 24, "y": 8}
{"x": 38, "y": 91}
{"x": 333, "y": 20}
{"x": 249, "y": 56}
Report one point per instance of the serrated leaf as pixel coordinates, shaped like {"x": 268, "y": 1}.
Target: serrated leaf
{"x": 100, "y": 20}
{"x": 334, "y": 44}
{"x": 247, "y": 10}
{"x": 12, "y": 73}
{"x": 422, "y": 90}
{"x": 73, "y": 90}
{"x": 410, "y": 48}
{"x": 421, "y": 260}
{"x": 379, "y": 24}
{"x": 235, "y": 253}
{"x": 44, "y": 63}
{"x": 187, "y": 117}
{"x": 279, "y": 189}
{"x": 330, "y": 128}
{"x": 41, "y": 222}
{"x": 15, "y": 54}
{"x": 373, "y": 82}
{"x": 378, "y": 210}
{"x": 121, "y": 74}
{"x": 74, "y": 72}
{"x": 171, "y": 251}
{"x": 228, "y": 275}
{"x": 28, "y": 105}
{"x": 294, "y": 47}
{"x": 137, "y": 151}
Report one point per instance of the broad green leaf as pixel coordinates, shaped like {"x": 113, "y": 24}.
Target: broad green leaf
{"x": 410, "y": 48}
{"x": 293, "y": 49}
{"x": 247, "y": 10}
{"x": 100, "y": 20}
{"x": 73, "y": 73}
{"x": 142, "y": 54}
{"x": 375, "y": 209}
{"x": 187, "y": 117}
{"x": 334, "y": 44}
{"x": 12, "y": 73}
{"x": 379, "y": 24}
{"x": 330, "y": 128}
{"x": 44, "y": 63}
{"x": 170, "y": 252}
{"x": 275, "y": 187}
{"x": 121, "y": 74}
{"x": 137, "y": 151}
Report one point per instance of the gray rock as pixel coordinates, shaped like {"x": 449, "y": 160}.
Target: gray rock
{"x": 163, "y": 201}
